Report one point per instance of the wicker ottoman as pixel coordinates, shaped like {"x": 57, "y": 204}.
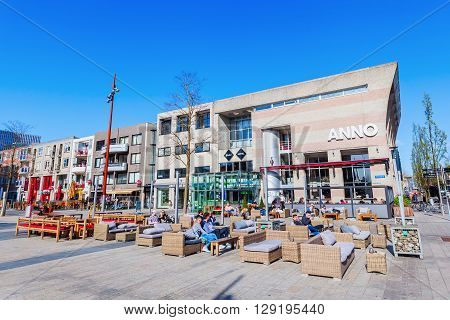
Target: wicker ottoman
{"x": 376, "y": 262}
{"x": 379, "y": 241}
{"x": 126, "y": 236}
{"x": 290, "y": 251}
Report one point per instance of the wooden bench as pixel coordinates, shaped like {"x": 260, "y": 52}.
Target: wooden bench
{"x": 43, "y": 226}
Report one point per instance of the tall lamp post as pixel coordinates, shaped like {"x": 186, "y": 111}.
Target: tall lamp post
{"x": 110, "y": 100}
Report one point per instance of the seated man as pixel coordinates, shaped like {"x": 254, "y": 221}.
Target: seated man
{"x": 206, "y": 237}
{"x": 229, "y": 209}
{"x": 306, "y": 220}
{"x": 153, "y": 217}
{"x": 296, "y": 220}
{"x": 208, "y": 227}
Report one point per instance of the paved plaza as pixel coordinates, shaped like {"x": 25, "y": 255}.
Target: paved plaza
{"x": 31, "y": 268}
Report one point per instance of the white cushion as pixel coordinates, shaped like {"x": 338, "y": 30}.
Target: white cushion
{"x": 346, "y": 249}
{"x": 363, "y": 210}
{"x": 363, "y": 235}
{"x": 328, "y": 238}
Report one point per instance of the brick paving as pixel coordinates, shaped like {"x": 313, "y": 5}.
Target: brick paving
{"x": 31, "y": 268}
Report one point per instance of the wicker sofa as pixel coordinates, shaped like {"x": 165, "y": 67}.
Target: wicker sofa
{"x": 298, "y": 233}
{"x": 175, "y": 244}
{"x": 262, "y": 247}
{"x": 321, "y": 260}
{"x": 363, "y": 239}
{"x": 186, "y": 221}
{"x": 155, "y": 238}
{"x": 244, "y": 229}
{"x": 107, "y": 231}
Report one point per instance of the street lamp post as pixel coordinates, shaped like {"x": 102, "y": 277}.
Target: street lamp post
{"x": 108, "y": 138}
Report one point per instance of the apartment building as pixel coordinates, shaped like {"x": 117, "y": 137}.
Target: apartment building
{"x": 49, "y": 177}
{"x": 81, "y": 168}
{"x": 131, "y": 164}
{"x": 19, "y": 181}
{"x": 328, "y": 140}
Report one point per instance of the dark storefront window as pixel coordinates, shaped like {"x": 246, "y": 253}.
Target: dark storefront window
{"x": 244, "y": 166}
{"x": 317, "y": 177}
{"x": 357, "y": 176}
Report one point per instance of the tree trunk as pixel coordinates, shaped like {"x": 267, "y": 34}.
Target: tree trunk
{"x": 188, "y": 173}
{"x": 11, "y": 174}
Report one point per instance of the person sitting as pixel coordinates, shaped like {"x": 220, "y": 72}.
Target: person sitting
{"x": 163, "y": 217}
{"x": 229, "y": 209}
{"x": 342, "y": 201}
{"x": 244, "y": 213}
{"x": 306, "y": 220}
{"x": 206, "y": 237}
{"x": 208, "y": 226}
{"x": 296, "y": 220}
{"x": 153, "y": 217}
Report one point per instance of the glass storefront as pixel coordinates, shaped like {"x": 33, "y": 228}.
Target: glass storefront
{"x": 357, "y": 176}
{"x": 317, "y": 177}
{"x": 163, "y": 200}
{"x": 206, "y": 188}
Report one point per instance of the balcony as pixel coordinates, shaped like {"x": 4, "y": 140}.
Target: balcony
{"x": 285, "y": 145}
{"x": 82, "y": 153}
{"x": 23, "y": 170}
{"x": 79, "y": 169}
{"x": 116, "y": 167}
{"x": 23, "y": 157}
{"x": 116, "y": 148}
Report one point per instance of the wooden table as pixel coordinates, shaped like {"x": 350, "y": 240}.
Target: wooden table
{"x": 234, "y": 241}
{"x": 332, "y": 215}
{"x": 376, "y": 262}
{"x": 126, "y": 236}
{"x": 367, "y": 215}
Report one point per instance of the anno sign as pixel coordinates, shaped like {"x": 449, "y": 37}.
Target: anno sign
{"x": 353, "y": 132}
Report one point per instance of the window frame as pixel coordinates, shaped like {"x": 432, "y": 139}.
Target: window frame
{"x": 133, "y": 139}
{"x": 182, "y": 127}
{"x": 200, "y": 120}
{"x": 164, "y": 149}
{"x": 182, "y": 148}
{"x": 161, "y": 126}
{"x": 166, "y": 176}
{"x": 134, "y": 174}
{"x": 203, "y": 149}
{"x": 137, "y": 154}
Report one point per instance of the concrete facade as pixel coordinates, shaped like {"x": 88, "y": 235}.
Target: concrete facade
{"x": 337, "y": 118}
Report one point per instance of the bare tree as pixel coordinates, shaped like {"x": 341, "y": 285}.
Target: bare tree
{"x": 18, "y": 131}
{"x": 187, "y": 101}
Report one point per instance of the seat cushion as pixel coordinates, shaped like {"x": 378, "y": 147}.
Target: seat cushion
{"x": 192, "y": 241}
{"x": 111, "y": 224}
{"x": 190, "y": 235}
{"x": 127, "y": 226}
{"x": 328, "y": 238}
{"x": 240, "y": 224}
{"x": 246, "y": 230}
{"x": 346, "y": 229}
{"x": 117, "y": 230}
{"x": 263, "y": 246}
{"x": 346, "y": 249}
{"x": 164, "y": 226}
{"x": 150, "y": 231}
{"x": 249, "y": 223}
{"x": 355, "y": 229}
{"x": 150, "y": 236}
{"x": 363, "y": 235}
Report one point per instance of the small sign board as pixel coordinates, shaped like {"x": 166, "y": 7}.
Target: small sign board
{"x": 228, "y": 155}
{"x": 241, "y": 154}
{"x": 380, "y": 176}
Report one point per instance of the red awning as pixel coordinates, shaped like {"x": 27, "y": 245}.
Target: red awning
{"x": 336, "y": 164}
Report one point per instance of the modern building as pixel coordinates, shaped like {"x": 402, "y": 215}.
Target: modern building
{"x": 131, "y": 164}
{"x": 50, "y": 170}
{"x": 81, "y": 168}
{"x": 7, "y": 139}
{"x": 328, "y": 140}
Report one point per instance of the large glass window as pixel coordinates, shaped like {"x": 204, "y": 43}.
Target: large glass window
{"x": 164, "y": 152}
{"x": 135, "y": 158}
{"x": 123, "y": 140}
{"x": 241, "y": 132}
{"x": 134, "y": 177}
{"x": 318, "y": 177}
{"x": 203, "y": 120}
{"x": 245, "y": 166}
{"x": 201, "y": 147}
{"x": 165, "y": 126}
{"x": 163, "y": 174}
{"x": 99, "y": 145}
{"x": 163, "y": 198}
{"x": 182, "y": 123}
{"x": 358, "y": 176}
{"x": 203, "y": 169}
{"x": 136, "y": 139}
{"x": 179, "y": 150}
{"x": 181, "y": 172}
{"x": 121, "y": 178}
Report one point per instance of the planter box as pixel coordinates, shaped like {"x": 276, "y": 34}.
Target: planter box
{"x": 408, "y": 212}
{"x": 406, "y": 241}
{"x": 409, "y": 221}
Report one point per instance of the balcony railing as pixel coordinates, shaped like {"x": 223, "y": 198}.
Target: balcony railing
{"x": 114, "y": 167}
{"x": 81, "y": 153}
{"x": 80, "y": 168}
{"x": 116, "y": 148}
{"x": 285, "y": 145}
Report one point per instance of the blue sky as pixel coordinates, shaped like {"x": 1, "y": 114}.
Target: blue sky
{"x": 235, "y": 47}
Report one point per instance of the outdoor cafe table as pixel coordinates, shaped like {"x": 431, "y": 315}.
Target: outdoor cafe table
{"x": 332, "y": 215}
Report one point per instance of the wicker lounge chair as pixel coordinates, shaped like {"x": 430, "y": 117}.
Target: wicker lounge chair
{"x": 186, "y": 221}
{"x": 152, "y": 240}
{"x": 102, "y": 231}
{"x": 321, "y": 260}
{"x": 235, "y": 232}
{"x": 262, "y": 247}
{"x": 298, "y": 233}
{"x": 363, "y": 239}
{"x": 174, "y": 244}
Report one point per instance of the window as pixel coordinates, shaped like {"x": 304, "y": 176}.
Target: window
{"x": 99, "y": 145}
{"x": 121, "y": 178}
{"x": 38, "y": 166}
{"x": 163, "y": 174}
{"x": 358, "y": 176}
{"x": 241, "y": 132}
{"x": 181, "y": 149}
{"x": 163, "y": 200}
{"x": 65, "y": 162}
{"x": 67, "y": 147}
{"x": 165, "y": 126}
{"x": 47, "y": 164}
{"x": 135, "y": 158}
{"x": 110, "y": 179}
{"x": 201, "y": 147}
{"x": 164, "y": 152}
{"x": 204, "y": 169}
{"x": 134, "y": 177}
{"x": 203, "y": 120}
{"x": 181, "y": 172}
{"x": 112, "y": 141}
{"x": 182, "y": 123}
{"x": 136, "y": 139}
{"x": 98, "y": 180}
{"x": 123, "y": 140}
{"x": 40, "y": 151}
{"x": 98, "y": 162}
{"x": 244, "y": 166}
